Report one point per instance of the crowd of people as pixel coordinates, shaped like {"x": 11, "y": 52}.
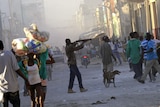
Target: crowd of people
{"x": 141, "y": 52}
{"x": 32, "y": 68}
{"x": 32, "y": 61}
{"x": 36, "y": 68}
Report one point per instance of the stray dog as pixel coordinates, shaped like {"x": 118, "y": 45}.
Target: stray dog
{"x": 110, "y": 77}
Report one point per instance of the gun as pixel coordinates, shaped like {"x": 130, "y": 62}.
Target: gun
{"x": 83, "y": 40}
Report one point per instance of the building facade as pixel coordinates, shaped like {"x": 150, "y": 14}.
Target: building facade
{"x": 15, "y": 14}
{"x": 111, "y": 17}
{"x": 145, "y": 16}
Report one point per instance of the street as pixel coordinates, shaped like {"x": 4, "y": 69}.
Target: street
{"x": 127, "y": 93}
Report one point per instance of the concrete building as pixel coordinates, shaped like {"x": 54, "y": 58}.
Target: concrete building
{"x": 117, "y": 18}
{"x": 86, "y": 17}
{"x": 17, "y": 14}
{"x": 33, "y": 12}
{"x": 145, "y": 16}
{"x": 111, "y": 17}
{"x": 11, "y": 20}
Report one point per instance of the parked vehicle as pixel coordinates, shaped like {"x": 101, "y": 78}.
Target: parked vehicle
{"x": 58, "y": 56}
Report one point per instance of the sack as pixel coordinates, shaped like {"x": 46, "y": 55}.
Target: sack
{"x": 3, "y": 85}
{"x": 3, "y": 82}
{"x": 33, "y": 34}
{"x": 1, "y": 97}
{"x": 36, "y": 46}
{"x": 18, "y": 46}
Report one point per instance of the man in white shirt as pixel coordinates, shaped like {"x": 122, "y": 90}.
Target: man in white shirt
{"x": 8, "y": 72}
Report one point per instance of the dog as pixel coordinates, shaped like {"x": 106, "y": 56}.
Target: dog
{"x": 109, "y": 77}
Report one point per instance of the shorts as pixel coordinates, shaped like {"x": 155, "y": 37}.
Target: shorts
{"x": 33, "y": 87}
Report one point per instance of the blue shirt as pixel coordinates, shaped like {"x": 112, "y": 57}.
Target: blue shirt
{"x": 151, "y": 55}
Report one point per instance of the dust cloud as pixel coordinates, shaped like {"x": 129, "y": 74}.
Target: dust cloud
{"x": 60, "y": 20}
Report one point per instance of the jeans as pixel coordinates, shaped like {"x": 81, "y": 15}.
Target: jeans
{"x": 117, "y": 55}
{"x": 137, "y": 68}
{"x": 13, "y": 97}
{"x": 74, "y": 71}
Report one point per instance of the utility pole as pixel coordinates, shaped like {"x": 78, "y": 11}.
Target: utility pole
{"x": 0, "y": 27}
{"x": 22, "y": 13}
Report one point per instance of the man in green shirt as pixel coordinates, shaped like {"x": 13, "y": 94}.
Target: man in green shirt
{"x": 133, "y": 52}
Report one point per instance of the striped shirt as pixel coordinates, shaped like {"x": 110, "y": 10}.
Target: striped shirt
{"x": 144, "y": 46}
